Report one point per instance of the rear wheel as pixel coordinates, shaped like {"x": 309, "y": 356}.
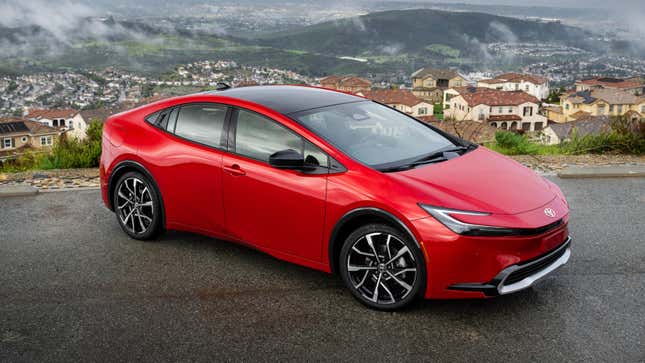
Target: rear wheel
{"x": 137, "y": 206}
{"x": 382, "y": 267}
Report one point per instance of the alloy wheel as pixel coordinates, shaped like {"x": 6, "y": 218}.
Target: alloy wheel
{"x": 134, "y": 204}
{"x": 381, "y": 268}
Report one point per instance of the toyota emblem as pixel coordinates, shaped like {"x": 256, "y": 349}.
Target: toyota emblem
{"x": 549, "y": 212}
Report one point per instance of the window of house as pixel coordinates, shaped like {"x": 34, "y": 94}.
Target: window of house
{"x": 566, "y": 106}
{"x": 620, "y": 109}
{"x": 481, "y": 116}
{"x": 24, "y": 139}
{"x": 62, "y": 122}
{"x": 538, "y": 126}
{"x": 7, "y": 143}
{"x": 45, "y": 140}
{"x": 526, "y": 126}
{"x": 528, "y": 111}
{"x": 500, "y": 110}
{"x": 526, "y": 88}
{"x": 71, "y": 124}
{"x": 55, "y": 122}
{"x": 510, "y": 110}
{"x": 423, "y": 110}
{"x": 611, "y": 108}
{"x": 202, "y": 123}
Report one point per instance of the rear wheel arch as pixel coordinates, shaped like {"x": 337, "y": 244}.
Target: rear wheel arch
{"x": 357, "y": 218}
{"x": 126, "y": 166}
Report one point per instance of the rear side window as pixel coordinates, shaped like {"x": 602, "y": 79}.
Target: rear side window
{"x": 258, "y": 137}
{"x": 201, "y": 123}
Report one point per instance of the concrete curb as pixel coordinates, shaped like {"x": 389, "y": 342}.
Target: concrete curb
{"x": 17, "y": 190}
{"x": 618, "y": 171}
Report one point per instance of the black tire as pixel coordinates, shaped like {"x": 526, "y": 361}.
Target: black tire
{"x": 396, "y": 276}
{"x": 141, "y": 214}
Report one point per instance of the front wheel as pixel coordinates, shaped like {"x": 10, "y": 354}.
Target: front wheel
{"x": 137, "y": 206}
{"x": 383, "y": 268}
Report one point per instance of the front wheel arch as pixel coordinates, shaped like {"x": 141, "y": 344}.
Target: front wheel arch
{"x": 357, "y": 218}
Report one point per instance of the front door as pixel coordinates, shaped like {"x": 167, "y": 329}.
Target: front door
{"x": 279, "y": 209}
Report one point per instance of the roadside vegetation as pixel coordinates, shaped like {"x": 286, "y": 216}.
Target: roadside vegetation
{"x": 623, "y": 137}
{"x": 66, "y": 154}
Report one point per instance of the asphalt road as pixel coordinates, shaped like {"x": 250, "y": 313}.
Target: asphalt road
{"x": 73, "y": 287}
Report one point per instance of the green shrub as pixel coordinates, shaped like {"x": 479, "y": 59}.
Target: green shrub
{"x": 510, "y": 143}
{"x": 625, "y": 137}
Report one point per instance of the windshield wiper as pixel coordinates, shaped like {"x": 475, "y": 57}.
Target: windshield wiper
{"x": 433, "y": 157}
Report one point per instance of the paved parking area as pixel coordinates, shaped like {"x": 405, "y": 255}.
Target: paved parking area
{"x": 73, "y": 287}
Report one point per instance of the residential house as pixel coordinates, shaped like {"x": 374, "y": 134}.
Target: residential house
{"x": 351, "y": 84}
{"x": 66, "y": 120}
{"x": 430, "y": 83}
{"x": 634, "y": 85}
{"x": 600, "y": 102}
{"x": 554, "y": 113}
{"x": 402, "y": 100}
{"x": 17, "y": 134}
{"x": 508, "y": 110}
{"x": 533, "y": 85}
{"x": 556, "y": 133}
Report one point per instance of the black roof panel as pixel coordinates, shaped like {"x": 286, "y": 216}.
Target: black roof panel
{"x": 288, "y": 99}
{"x": 12, "y": 127}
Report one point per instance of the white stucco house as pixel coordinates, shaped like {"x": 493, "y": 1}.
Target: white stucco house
{"x": 533, "y": 85}
{"x": 508, "y": 110}
{"x": 69, "y": 121}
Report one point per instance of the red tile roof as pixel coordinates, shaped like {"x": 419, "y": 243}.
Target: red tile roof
{"x": 52, "y": 114}
{"x": 492, "y": 97}
{"x": 608, "y": 82}
{"x": 393, "y": 96}
{"x": 345, "y": 81}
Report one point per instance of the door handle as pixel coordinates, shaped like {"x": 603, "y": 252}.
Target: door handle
{"x": 234, "y": 170}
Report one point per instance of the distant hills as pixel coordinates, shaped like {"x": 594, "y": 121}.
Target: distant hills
{"x": 416, "y": 31}
{"x": 390, "y": 42}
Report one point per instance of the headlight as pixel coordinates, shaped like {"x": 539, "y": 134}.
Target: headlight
{"x": 443, "y": 215}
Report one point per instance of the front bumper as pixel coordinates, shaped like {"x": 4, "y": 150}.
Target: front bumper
{"x": 523, "y": 275}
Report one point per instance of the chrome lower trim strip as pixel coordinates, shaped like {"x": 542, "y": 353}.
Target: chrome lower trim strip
{"x": 530, "y": 280}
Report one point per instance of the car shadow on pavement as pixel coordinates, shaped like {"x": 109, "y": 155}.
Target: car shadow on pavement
{"x": 256, "y": 263}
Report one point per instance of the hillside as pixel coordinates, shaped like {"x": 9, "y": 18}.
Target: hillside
{"x": 418, "y": 31}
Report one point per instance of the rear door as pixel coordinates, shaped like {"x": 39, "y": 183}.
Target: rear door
{"x": 279, "y": 209}
{"x": 188, "y": 165}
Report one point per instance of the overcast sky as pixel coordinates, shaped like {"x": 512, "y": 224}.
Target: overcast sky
{"x": 621, "y": 5}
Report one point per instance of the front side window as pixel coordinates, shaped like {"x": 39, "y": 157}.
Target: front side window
{"x": 202, "y": 123}
{"x": 7, "y": 143}
{"x": 257, "y": 137}
{"x": 371, "y": 133}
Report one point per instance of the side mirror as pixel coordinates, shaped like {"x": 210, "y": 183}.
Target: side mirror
{"x": 287, "y": 159}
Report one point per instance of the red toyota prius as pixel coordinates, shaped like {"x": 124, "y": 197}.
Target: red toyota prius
{"x": 337, "y": 183}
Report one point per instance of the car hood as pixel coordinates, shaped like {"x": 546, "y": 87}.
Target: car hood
{"x": 480, "y": 180}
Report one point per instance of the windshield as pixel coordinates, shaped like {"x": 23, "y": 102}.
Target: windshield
{"x": 373, "y": 134}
